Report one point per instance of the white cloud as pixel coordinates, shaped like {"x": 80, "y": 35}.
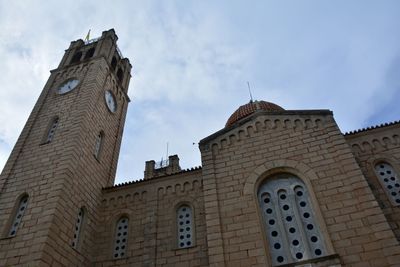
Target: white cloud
{"x": 191, "y": 62}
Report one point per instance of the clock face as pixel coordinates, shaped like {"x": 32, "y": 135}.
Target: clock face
{"x": 110, "y": 101}
{"x": 68, "y": 86}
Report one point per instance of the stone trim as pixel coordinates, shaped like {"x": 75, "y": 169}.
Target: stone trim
{"x": 255, "y": 123}
{"x": 150, "y": 180}
{"x": 373, "y": 144}
{"x": 284, "y": 116}
{"x": 303, "y": 172}
{"x": 372, "y": 127}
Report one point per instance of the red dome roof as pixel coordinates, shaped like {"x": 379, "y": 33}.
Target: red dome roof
{"x": 250, "y": 108}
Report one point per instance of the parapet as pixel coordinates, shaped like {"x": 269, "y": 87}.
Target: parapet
{"x": 164, "y": 167}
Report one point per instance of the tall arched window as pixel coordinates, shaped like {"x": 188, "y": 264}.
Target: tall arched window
{"x": 90, "y": 53}
{"x": 19, "y": 213}
{"x": 98, "y": 144}
{"x": 120, "y": 74}
{"x": 78, "y": 228}
{"x": 389, "y": 181}
{"x": 185, "y": 232}
{"x": 292, "y": 231}
{"x": 77, "y": 57}
{"x": 51, "y": 131}
{"x": 121, "y": 238}
{"x": 113, "y": 63}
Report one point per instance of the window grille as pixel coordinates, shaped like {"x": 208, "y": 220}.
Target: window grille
{"x": 52, "y": 130}
{"x": 121, "y": 238}
{"x": 18, "y": 216}
{"x": 185, "y": 226}
{"x": 78, "y": 227}
{"x": 389, "y": 180}
{"x": 293, "y": 234}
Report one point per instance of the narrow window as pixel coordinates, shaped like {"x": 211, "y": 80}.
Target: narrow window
{"x": 90, "y": 53}
{"x": 113, "y": 63}
{"x": 18, "y": 216}
{"x": 389, "y": 181}
{"x": 77, "y": 57}
{"x": 121, "y": 238}
{"x": 184, "y": 226}
{"x": 120, "y": 75}
{"x": 51, "y": 130}
{"x": 78, "y": 227}
{"x": 98, "y": 144}
{"x": 292, "y": 232}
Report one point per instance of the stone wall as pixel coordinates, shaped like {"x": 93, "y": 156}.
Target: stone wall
{"x": 309, "y": 145}
{"x": 151, "y": 208}
{"x": 62, "y": 176}
{"x": 370, "y": 148}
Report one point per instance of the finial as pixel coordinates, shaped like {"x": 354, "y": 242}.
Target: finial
{"x": 251, "y": 97}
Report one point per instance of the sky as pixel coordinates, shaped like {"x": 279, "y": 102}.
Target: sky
{"x": 192, "y": 59}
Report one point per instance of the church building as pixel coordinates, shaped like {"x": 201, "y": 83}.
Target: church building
{"x": 276, "y": 187}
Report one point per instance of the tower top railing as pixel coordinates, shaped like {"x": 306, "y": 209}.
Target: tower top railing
{"x": 92, "y": 40}
{"x": 161, "y": 164}
{"x": 97, "y": 39}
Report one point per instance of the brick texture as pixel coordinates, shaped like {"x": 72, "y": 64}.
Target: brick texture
{"x": 359, "y": 224}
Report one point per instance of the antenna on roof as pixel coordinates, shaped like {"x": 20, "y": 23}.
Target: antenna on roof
{"x": 251, "y": 97}
{"x": 167, "y": 151}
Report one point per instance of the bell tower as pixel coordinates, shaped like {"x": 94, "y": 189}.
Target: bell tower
{"x": 50, "y": 187}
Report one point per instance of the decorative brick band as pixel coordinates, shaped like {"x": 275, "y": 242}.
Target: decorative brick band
{"x": 374, "y": 143}
{"x": 273, "y": 123}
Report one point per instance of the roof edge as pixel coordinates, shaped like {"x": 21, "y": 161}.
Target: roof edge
{"x": 142, "y": 180}
{"x": 382, "y": 125}
{"x": 263, "y": 112}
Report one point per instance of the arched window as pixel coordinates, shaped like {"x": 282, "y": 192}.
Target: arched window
{"x": 23, "y": 203}
{"x": 51, "y": 131}
{"x": 120, "y": 75}
{"x": 292, "y": 231}
{"x": 389, "y": 181}
{"x": 185, "y": 223}
{"x": 98, "y": 144}
{"x": 121, "y": 238}
{"x": 90, "y": 53}
{"x": 78, "y": 228}
{"x": 113, "y": 63}
{"x": 77, "y": 57}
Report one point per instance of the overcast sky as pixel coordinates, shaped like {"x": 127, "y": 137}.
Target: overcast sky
{"x": 191, "y": 61}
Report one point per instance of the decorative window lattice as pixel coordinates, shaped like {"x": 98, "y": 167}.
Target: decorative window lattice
{"x": 18, "y": 216}
{"x": 185, "y": 226}
{"x": 389, "y": 180}
{"x": 289, "y": 220}
{"x": 78, "y": 226}
{"x": 121, "y": 238}
{"x": 97, "y": 146}
{"x": 52, "y": 130}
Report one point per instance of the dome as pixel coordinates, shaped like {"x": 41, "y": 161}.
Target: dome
{"x": 250, "y": 108}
